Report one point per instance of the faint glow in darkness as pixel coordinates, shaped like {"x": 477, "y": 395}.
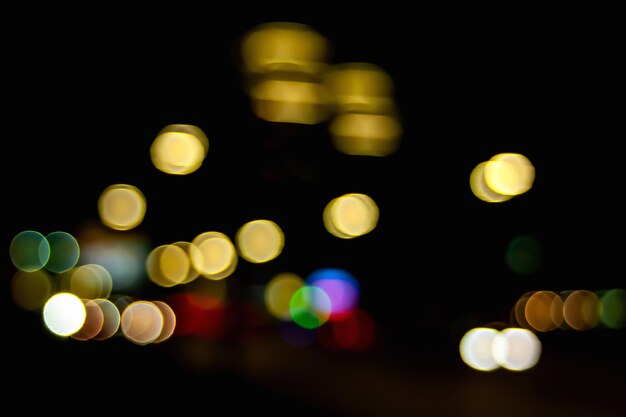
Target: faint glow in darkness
{"x": 524, "y": 255}
{"x": 481, "y": 190}
{"x": 93, "y": 322}
{"x": 29, "y": 251}
{"x": 613, "y": 308}
{"x": 355, "y": 331}
{"x": 169, "y": 321}
{"x": 340, "y": 286}
{"x": 216, "y": 257}
{"x": 581, "y": 310}
{"x": 64, "y": 314}
{"x": 208, "y": 291}
{"x": 260, "y": 241}
{"x": 122, "y": 301}
{"x": 310, "y": 307}
{"x": 111, "y": 319}
{"x": 516, "y": 349}
{"x": 142, "y": 322}
{"x": 366, "y": 134}
{"x": 476, "y": 349}
{"x": 509, "y": 174}
{"x": 278, "y": 293}
{"x": 90, "y": 281}
{"x": 121, "y": 207}
{"x": 290, "y": 101}
{"x": 179, "y": 149}
{"x": 544, "y": 311}
{"x": 350, "y": 216}
{"x": 360, "y": 88}
{"x": 122, "y": 254}
{"x": 296, "y": 335}
{"x": 283, "y": 46}
{"x": 198, "y": 314}
{"x": 64, "y": 252}
{"x": 31, "y": 290}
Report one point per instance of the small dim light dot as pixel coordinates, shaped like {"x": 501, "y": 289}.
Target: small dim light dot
{"x": 613, "y": 308}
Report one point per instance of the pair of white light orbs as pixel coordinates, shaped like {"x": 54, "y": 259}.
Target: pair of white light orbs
{"x": 487, "y": 349}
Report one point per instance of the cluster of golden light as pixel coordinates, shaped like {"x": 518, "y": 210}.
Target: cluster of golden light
{"x": 214, "y": 255}
{"x": 121, "y": 206}
{"x": 544, "y": 311}
{"x": 76, "y": 303}
{"x": 289, "y": 81}
{"x": 365, "y": 121}
{"x": 179, "y": 149}
{"x": 283, "y": 63}
{"x": 503, "y": 177}
{"x": 350, "y": 215}
{"x": 260, "y": 241}
{"x": 87, "y": 281}
{"x": 170, "y": 265}
{"x": 211, "y": 255}
{"x": 487, "y": 349}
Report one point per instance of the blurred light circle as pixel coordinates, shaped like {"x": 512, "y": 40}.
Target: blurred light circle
{"x": 340, "y": 286}
{"x": 310, "y": 307}
{"x": 64, "y": 314}
{"x": 260, "y": 241}
{"x": 476, "y": 349}
{"x": 179, "y": 149}
{"x": 64, "y": 252}
{"x": 516, "y": 349}
{"x": 29, "y": 251}
{"x": 121, "y": 206}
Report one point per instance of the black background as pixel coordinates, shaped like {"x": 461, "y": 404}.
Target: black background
{"x": 85, "y": 94}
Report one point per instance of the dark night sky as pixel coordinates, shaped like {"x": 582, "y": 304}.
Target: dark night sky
{"x": 468, "y": 84}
